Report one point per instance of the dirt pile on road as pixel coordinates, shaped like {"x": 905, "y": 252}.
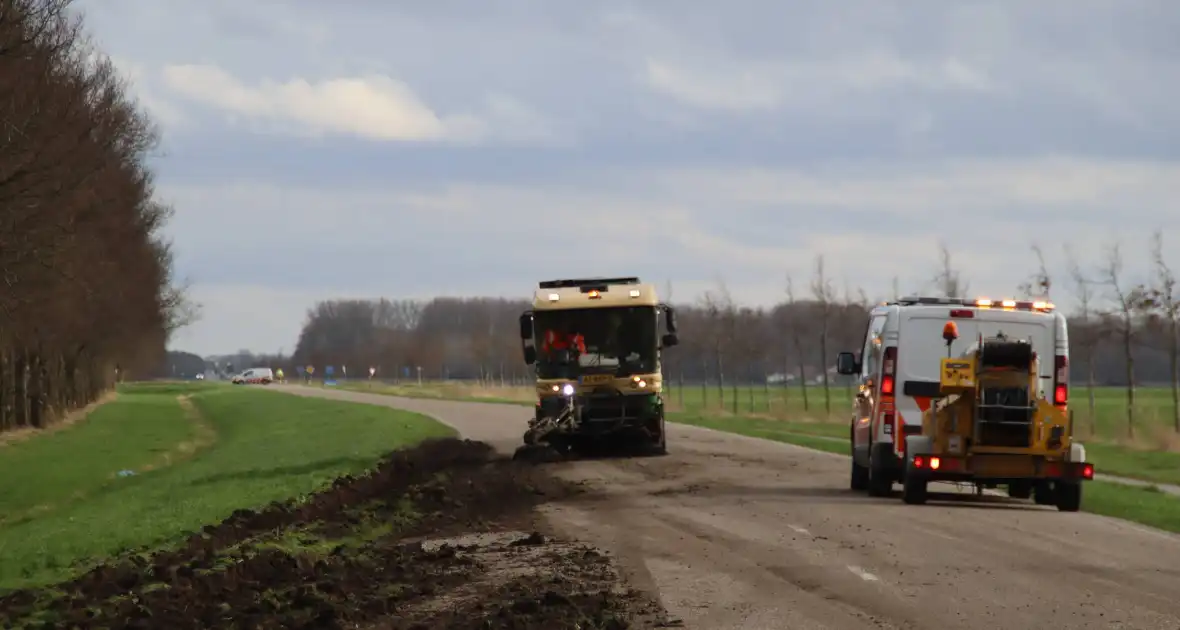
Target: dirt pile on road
{"x": 441, "y": 536}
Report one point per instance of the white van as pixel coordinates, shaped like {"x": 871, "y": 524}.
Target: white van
{"x": 898, "y": 370}
{"x": 262, "y": 376}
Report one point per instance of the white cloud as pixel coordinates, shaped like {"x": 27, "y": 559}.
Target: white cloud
{"x": 375, "y": 107}
{"x": 750, "y": 227}
{"x": 721, "y": 82}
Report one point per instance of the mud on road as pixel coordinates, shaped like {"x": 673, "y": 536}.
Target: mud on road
{"x": 441, "y": 536}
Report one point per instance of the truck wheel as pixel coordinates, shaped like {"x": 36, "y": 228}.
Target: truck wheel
{"x": 1069, "y": 496}
{"x": 1020, "y": 489}
{"x": 660, "y": 447}
{"x": 880, "y": 476}
{"x": 914, "y": 488}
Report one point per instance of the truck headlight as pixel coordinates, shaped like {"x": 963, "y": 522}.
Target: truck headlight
{"x": 567, "y": 389}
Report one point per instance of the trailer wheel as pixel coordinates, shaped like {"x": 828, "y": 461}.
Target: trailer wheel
{"x": 914, "y": 487}
{"x": 1020, "y": 489}
{"x": 1069, "y": 496}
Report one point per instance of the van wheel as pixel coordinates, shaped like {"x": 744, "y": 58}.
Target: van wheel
{"x": 1044, "y": 493}
{"x": 880, "y": 476}
{"x": 1020, "y": 489}
{"x": 860, "y": 477}
{"x": 1069, "y": 496}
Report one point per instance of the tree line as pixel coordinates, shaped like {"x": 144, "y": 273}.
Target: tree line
{"x": 88, "y": 294}
{"x": 1121, "y": 334}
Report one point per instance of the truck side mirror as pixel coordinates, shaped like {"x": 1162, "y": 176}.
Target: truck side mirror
{"x": 669, "y": 340}
{"x": 846, "y": 364}
{"x": 670, "y": 318}
{"x": 526, "y": 326}
{"x": 530, "y": 355}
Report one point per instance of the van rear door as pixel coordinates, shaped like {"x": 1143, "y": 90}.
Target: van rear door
{"x": 921, "y": 348}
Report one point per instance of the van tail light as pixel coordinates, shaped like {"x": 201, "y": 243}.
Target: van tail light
{"x": 888, "y": 371}
{"x": 1061, "y": 380}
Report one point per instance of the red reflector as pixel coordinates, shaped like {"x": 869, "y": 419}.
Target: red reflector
{"x": 919, "y": 461}
{"x": 1088, "y": 471}
{"x": 935, "y": 463}
{"x": 963, "y": 313}
{"x": 1061, "y": 395}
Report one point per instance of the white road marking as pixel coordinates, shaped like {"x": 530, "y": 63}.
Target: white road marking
{"x": 862, "y": 574}
{"x": 799, "y": 530}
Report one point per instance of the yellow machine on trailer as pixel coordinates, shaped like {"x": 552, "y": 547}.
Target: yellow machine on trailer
{"x": 596, "y": 349}
{"x": 991, "y": 426}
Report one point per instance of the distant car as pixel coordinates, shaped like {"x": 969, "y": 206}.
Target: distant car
{"x": 259, "y": 376}
{"x": 200, "y": 377}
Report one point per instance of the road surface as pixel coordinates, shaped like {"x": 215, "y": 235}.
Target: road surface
{"x": 735, "y": 532}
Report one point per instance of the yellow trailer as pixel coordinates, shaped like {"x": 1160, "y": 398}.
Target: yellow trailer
{"x": 992, "y": 425}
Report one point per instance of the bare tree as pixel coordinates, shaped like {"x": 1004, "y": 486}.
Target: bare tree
{"x": 797, "y": 326}
{"x": 1086, "y": 337}
{"x": 949, "y": 280}
{"x": 720, "y": 313}
{"x": 825, "y": 297}
{"x": 1038, "y": 284}
{"x": 1166, "y": 302}
{"x": 1127, "y": 303}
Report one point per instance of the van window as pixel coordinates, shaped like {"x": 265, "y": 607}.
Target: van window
{"x": 870, "y": 355}
{"x": 922, "y": 347}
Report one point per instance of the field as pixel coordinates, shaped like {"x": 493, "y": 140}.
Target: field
{"x": 118, "y": 532}
{"x": 779, "y": 413}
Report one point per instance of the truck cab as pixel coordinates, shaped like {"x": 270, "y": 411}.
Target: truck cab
{"x": 599, "y": 340}
{"x": 897, "y": 368}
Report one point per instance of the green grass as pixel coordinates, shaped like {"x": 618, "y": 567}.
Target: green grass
{"x": 269, "y": 447}
{"x": 57, "y": 467}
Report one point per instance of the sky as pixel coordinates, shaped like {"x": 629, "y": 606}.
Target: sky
{"x": 363, "y": 148}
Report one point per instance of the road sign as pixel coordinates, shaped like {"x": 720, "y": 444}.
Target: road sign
{"x": 372, "y": 371}
{"x": 329, "y": 370}
{"x": 344, "y": 370}
{"x": 311, "y": 369}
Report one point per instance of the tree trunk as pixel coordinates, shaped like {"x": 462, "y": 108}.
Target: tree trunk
{"x": 1090, "y": 389}
{"x": 803, "y": 384}
{"x": 720, "y": 379}
{"x": 1130, "y": 365}
{"x": 823, "y": 364}
{"x": 1174, "y": 360}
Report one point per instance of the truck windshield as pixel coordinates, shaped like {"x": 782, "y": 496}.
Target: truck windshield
{"x": 619, "y": 341}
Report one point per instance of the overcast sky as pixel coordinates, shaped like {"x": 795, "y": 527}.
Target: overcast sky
{"x": 411, "y": 149}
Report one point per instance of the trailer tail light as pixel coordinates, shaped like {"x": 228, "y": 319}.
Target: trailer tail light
{"x": 1088, "y": 471}
{"x": 962, "y": 313}
{"x": 889, "y": 422}
{"x": 931, "y": 463}
{"x": 1061, "y": 381}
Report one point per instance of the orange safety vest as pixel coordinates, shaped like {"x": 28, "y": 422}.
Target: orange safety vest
{"x": 554, "y": 341}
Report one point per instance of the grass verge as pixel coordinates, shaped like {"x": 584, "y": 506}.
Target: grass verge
{"x": 268, "y": 447}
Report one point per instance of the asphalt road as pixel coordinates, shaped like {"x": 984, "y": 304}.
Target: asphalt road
{"x": 735, "y": 532}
